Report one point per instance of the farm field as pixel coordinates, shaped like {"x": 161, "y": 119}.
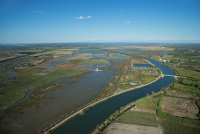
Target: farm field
{"x": 176, "y": 108}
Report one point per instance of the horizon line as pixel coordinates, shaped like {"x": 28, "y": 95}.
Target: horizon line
{"x": 24, "y": 43}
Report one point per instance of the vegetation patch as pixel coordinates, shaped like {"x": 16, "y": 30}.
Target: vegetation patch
{"x": 181, "y": 87}
{"x": 147, "y": 104}
{"x": 139, "y": 118}
{"x": 26, "y": 82}
{"x": 181, "y": 94}
{"x": 174, "y": 127}
{"x": 125, "y": 86}
{"x": 56, "y": 52}
{"x": 147, "y": 79}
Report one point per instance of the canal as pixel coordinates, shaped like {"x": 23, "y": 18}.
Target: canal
{"x": 86, "y": 123}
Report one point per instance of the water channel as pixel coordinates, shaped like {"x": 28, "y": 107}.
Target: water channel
{"x": 84, "y": 124}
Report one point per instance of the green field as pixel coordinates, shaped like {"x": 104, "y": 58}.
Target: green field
{"x": 186, "y": 64}
{"x": 178, "y": 128}
{"x": 147, "y": 103}
{"x": 56, "y": 52}
{"x": 125, "y": 86}
{"x": 147, "y": 79}
{"x": 177, "y": 86}
{"x": 138, "y": 118}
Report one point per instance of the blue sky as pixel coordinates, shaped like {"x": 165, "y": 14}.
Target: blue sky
{"x": 48, "y": 21}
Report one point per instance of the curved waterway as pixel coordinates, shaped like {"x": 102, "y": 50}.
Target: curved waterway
{"x": 84, "y": 124}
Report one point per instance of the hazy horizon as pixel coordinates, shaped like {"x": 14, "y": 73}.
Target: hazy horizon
{"x": 104, "y": 43}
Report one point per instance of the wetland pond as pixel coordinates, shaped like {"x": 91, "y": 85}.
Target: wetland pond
{"x": 71, "y": 92}
{"x": 141, "y": 65}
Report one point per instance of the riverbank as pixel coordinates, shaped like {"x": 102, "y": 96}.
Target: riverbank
{"x": 54, "y": 126}
{"x": 168, "y": 110}
{"x": 175, "y": 109}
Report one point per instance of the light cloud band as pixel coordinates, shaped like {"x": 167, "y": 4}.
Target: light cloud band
{"x": 83, "y": 17}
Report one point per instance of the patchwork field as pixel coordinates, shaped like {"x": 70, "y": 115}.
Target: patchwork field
{"x": 177, "y": 114}
{"x": 181, "y": 94}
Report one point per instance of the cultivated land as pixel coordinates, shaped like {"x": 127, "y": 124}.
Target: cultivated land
{"x": 180, "y": 107}
{"x": 176, "y": 108}
{"x": 118, "y": 128}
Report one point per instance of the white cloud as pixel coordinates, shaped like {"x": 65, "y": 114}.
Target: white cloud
{"x": 127, "y": 22}
{"x": 83, "y": 17}
{"x": 37, "y": 12}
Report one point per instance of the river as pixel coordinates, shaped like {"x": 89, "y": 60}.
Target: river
{"x": 86, "y": 123}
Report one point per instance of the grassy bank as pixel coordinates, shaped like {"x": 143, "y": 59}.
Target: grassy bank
{"x": 99, "y": 99}
{"x": 148, "y": 112}
{"x": 139, "y": 118}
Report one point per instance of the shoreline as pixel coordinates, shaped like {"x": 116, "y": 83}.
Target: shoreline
{"x": 79, "y": 112}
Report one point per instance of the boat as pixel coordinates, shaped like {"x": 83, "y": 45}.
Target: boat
{"x": 97, "y": 70}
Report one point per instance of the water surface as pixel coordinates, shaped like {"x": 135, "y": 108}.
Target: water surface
{"x": 142, "y": 65}
{"x": 70, "y": 93}
{"x": 84, "y": 124}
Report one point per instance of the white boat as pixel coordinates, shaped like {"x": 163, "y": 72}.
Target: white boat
{"x": 97, "y": 70}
